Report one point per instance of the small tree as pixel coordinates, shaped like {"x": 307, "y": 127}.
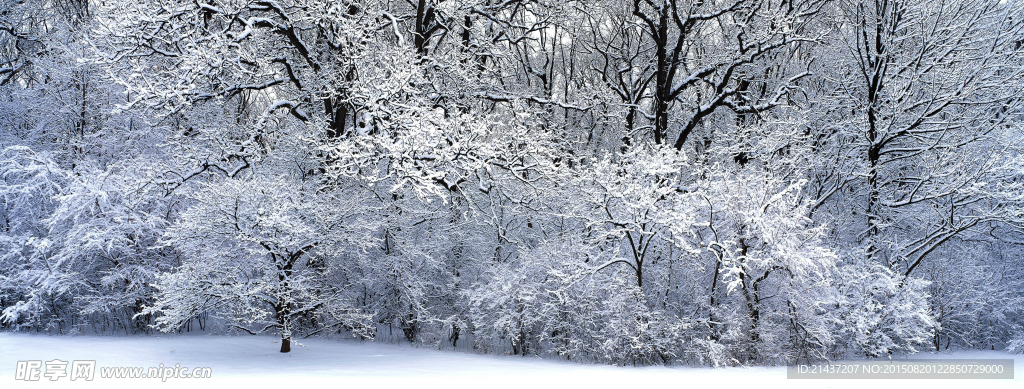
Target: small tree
{"x": 257, "y": 252}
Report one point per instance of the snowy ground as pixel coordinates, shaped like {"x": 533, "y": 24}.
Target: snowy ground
{"x": 254, "y": 361}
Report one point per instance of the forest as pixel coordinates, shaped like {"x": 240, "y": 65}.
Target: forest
{"x": 626, "y": 182}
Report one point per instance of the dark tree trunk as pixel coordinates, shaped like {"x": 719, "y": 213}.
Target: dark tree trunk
{"x": 286, "y": 344}
{"x": 663, "y": 84}
{"x": 337, "y": 115}
{"x": 454, "y": 337}
{"x": 874, "y": 74}
{"x": 751, "y": 301}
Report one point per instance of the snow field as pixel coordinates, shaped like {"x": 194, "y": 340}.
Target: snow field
{"x": 253, "y": 362}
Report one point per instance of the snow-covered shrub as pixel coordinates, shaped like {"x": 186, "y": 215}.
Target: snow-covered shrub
{"x": 882, "y": 312}
{"x": 93, "y": 260}
{"x": 29, "y": 188}
{"x": 505, "y": 309}
{"x": 1016, "y": 343}
{"x": 636, "y": 334}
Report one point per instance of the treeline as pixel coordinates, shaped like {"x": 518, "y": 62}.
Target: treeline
{"x": 627, "y": 182}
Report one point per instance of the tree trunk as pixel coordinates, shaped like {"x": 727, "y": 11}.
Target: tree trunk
{"x": 286, "y": 343}
{"x": 663, "y": 83}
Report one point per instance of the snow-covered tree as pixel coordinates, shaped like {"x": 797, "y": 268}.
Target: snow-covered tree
{"x": 257, "y": 253}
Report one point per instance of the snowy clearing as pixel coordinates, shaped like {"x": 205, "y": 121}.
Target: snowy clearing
{"x": 252, "y": 360}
